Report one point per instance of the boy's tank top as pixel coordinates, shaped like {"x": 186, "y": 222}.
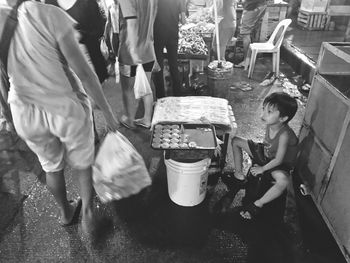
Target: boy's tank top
{"x": 271, "y": 145}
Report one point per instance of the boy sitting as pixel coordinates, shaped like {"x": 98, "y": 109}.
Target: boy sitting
{"x": 275, "y": 156}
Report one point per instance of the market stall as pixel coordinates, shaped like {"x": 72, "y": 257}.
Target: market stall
{"x": 191, "y": 130}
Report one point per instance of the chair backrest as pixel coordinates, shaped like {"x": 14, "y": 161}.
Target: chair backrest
{"x": 275, "y": 39}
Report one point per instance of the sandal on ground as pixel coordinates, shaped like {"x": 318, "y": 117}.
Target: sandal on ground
{"x": 140, "y": 122}
{"x": 232, "y": 182}
{"x": 126, "y": 123}
{"x": 77, "y": 207}
{"x": 252, "y": 210}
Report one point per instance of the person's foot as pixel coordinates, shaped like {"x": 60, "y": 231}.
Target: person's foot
{"x": 143, "y": 123}
{"x": 127, "y": 123}
{"x": 88, "y": 224}
{"x": 240, "y": 65}
{"x": 268, "y": 79}
{"x": 72, "y": 216}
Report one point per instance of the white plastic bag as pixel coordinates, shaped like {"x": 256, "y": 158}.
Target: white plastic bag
{"x": 141, "y": 86}
{"x": 119, "y": 170}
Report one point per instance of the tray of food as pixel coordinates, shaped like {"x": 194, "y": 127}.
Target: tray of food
{"x": 184, "y": 137}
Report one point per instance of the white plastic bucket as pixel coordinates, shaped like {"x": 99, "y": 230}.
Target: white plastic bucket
{"x": 187, "y": 182}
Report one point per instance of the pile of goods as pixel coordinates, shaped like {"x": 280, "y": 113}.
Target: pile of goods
{"x": 202, "y": 15}
{"x": 191, "y": 43}
{"x": 199, "y": 25}
{"x": 203, "y": 29}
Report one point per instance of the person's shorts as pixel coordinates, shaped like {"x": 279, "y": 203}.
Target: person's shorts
{"x": 56, "y": 139}
{"x": 259, "y": 158}
{"x": 130, "y": 71}
{"x": 250, "y": 19}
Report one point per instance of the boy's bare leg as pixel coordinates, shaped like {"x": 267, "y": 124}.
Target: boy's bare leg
{"x": 57, "y": 186}
{"x": 274, "y": 192}
{"x": 86, "y": 194}
{"x": 239, "y": 144}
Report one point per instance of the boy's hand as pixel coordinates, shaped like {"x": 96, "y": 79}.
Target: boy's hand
{"x": 256, "y": 170}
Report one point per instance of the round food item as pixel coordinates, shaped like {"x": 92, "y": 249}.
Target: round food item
{"x": 183, "y": 145}
{"x": 174, "y": 145}
{"x": 175, "y": 135}
{"x": 174, "y": 140}
{"x": 157, "y": 140}
{"x": 192, "y": 144}
{"x": 166, "y": 140}
{"x": 175, "y": 126}
{"x": 158, "y": 127}
{"x": 175, "y": 130}
{"x": 165, "y": 145}
{"x": 166, "y": 131}
{"x": 156, "y": 145}
{"x": 166, "y": 135}
{"x": 157, "y": 134}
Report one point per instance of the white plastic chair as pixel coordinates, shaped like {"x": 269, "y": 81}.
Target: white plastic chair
{"x": 271, "y": 46}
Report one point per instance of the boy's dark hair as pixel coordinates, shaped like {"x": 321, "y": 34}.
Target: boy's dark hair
{"x": 284, "y": 103}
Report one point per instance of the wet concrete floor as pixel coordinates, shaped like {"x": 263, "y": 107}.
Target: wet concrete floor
{"x": 149, "y": 227}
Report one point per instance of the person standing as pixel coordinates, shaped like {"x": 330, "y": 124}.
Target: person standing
{"x": 227, "y": 25}
{"x": 135, "y": 48}
{"x": 166, "y": 34}
{"x": 253, "y": 12}
{"x": 90, "y": 24}
{"x": 48, "y": 74}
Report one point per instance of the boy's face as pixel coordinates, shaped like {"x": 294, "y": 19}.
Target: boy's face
{"x": 271, "y": 115}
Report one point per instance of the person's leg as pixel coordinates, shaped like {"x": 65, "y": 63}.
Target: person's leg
{"x": 239, "y": 144}
{"x": 57, "y": 186}
{"x": 173, "y": 67}
{"x": 86, "y": 194}
{"x": 128, "y": 96}
{"x": 158, "y": 76}
{"x": 246, "y": 42}
{"x": 280, "y": 185}
{"x": 249, "y": 21}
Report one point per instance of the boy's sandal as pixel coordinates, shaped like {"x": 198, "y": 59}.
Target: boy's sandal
{"x": 77, "y": 207}
{"x": 252, "y": 210}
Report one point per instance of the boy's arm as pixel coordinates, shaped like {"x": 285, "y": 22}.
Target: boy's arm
{"x": 281, "y": 152}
